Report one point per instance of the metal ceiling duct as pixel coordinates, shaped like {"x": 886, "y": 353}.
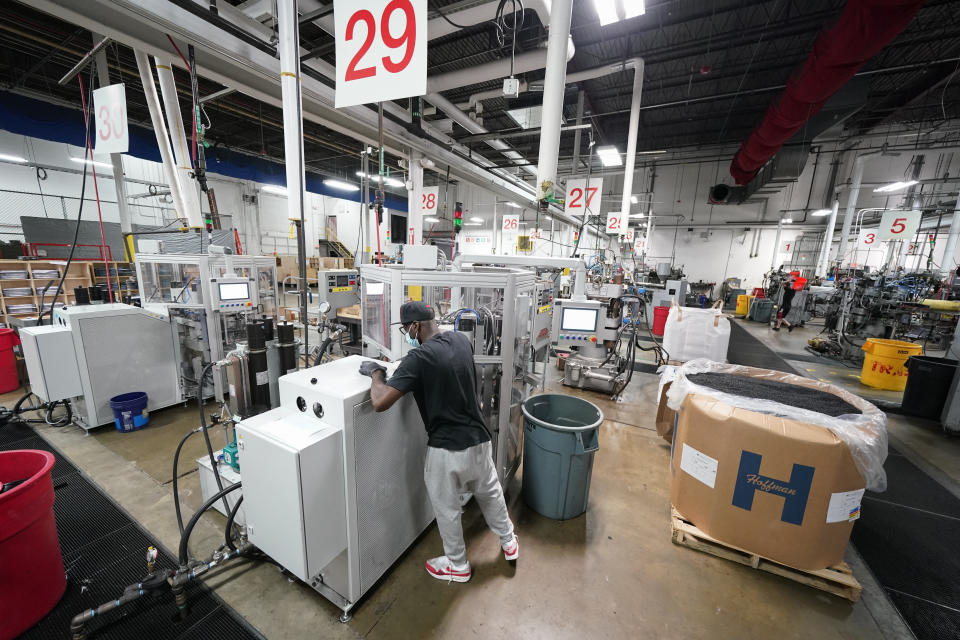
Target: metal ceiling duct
{"x": 864, "y": 27}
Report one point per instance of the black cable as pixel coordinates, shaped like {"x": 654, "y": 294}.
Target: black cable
{"x": 227, "y": 531}
{"x": 176, "y": 491}
{"x": 206, "y": 435}
{"x": 83, "y": 191}
{"x": 185, "y": 538}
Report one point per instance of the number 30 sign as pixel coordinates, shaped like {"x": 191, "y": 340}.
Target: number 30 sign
{"x": 381, "y": 48}
{"x": 110, "y": 109}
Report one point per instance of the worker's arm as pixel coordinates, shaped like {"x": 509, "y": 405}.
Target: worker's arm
{"x": 382, "y": 395}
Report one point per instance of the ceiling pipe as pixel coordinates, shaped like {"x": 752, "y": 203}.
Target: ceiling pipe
{"x": 822, "y": 261}
{"x": 160, "y": 128}
{"x": 181, "y": 148}
{"x": 502, "y": 68}
{"x": 634, "y": 131}
{"x": 950, "y": 251}
{"x": 559, "y": 44}
{"x": 864, "y": 27}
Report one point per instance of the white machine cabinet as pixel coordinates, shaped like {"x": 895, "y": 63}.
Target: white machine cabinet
{"x": 333, "y": 490}
{"x": 51, "y": 362}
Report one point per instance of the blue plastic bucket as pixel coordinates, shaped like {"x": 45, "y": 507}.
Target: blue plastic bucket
{"x": 130, "y": 411}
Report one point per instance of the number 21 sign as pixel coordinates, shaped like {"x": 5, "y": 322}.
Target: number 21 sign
{"x": 381, "y": 49}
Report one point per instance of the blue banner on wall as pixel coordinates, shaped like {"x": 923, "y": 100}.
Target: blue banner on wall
{"x": 38, "y": 119}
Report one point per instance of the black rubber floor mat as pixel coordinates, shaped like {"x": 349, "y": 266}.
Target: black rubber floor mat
{"x": 909, "y": 536}
{"x": 104, "y": 551}
{"x": 747, "y": 350}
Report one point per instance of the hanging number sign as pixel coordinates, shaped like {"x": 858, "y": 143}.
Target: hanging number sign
{"x": 581, "y": 197}
{"x": 381, "y": 49}
{"x": 899, "y": 225}
{"x": 615, "y": 222}
{"x": 110, "y": 109}
{"x": 868, "y": 239}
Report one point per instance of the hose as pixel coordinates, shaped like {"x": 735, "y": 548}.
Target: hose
{"x": 228, "y": 530}
{"x": 206, "y": 435}
{"x": 185, "y": 538}
{"x": 176, "y": 491}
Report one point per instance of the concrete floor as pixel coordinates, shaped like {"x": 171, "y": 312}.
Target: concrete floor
{"x": 611, "y": 573}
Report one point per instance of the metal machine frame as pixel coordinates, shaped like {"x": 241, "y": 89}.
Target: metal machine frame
{"x": 380, "y": 306}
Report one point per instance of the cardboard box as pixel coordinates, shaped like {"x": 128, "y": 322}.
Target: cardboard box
{"x": 665, "y": 416}
{"x": 783, "y": 489}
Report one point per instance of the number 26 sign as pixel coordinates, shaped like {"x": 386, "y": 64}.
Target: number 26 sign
{"x": 381, "y": 49}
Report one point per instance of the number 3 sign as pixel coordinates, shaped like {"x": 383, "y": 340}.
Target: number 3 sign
{"x": 381, "y": 48}
{"x": 110, "y": 108}
{"x": 899, "y": 225}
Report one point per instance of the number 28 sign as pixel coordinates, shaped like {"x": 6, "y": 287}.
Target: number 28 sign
{"x": 381, "y": 48}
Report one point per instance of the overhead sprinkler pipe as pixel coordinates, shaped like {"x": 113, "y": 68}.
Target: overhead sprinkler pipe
{"x": 181, "y": 147}
{"x": 554, "y": 86}
{"x": 160, "y": 129}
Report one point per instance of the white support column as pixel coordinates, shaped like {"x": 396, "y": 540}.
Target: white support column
{"x": 554, "y": 85}
{"x": 776, "y": 245}
{"x": 181, "y": 145}
{"x": 160, "y": 129}
{"x": 116, "y": 159}
{"x": 843, "y": 251}
{"x": 632, "y": 142}
{"x": 414, "y": 196}
{"x": 823, "y": 263}
{"x": 950, "y": 251}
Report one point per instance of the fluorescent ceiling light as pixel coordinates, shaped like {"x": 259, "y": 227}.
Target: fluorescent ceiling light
{"x": 633, "y": 8}
{"x": 8, "y": 158}
{"x": 269, "y": 188}
{"x": 895, "y": 186}
{"x": 634, "y": 199}
{"x": 786, "y": 220}
{"x": 548, "y": 217}
{"x": 819, "y": 213}
{"x": 340, "y": 184}
{"x": 387, "y": 180}
{"x": 513, "y": 204}
{"x": 431, "y": 219}
{"x": 476, "y": 219}
{"x": 606, "y": 11}
{"x": 105, "y": 165}
{"x": 651, "y": 153}
{"x": 473, "y": 224}
{"x": 636, "y": 215}
{"x": 609, "y": 156}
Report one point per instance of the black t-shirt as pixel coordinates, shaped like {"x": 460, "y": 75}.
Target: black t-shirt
{"x": 441, "y": 375}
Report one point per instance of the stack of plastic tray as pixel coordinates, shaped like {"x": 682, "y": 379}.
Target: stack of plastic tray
{"x": 21, "y": 308}
{"x": 14, "y": 274}
{"x": 50, "y": 274}
{"x": 13, "y": 292}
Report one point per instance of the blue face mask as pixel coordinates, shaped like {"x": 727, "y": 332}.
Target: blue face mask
{"x": 413, "y": 342}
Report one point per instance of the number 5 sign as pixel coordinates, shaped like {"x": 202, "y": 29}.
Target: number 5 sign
{"x": 899, "y": 225}
{"x": 381, "y": 49}
{"x": 110, "y": 107}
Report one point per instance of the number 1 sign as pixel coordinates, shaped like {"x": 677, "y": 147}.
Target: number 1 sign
{"x": 381, "y": 49}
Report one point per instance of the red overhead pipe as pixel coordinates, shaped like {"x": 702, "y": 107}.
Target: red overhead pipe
{"x": 864, "y": 27}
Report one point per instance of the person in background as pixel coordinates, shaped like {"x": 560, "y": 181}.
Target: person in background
{"x": 786, "y": 302}
{"x": 440, "y": 373}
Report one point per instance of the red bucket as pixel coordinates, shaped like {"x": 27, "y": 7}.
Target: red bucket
{"x": 32, "y": 579}
{"x": 660, "y": 320}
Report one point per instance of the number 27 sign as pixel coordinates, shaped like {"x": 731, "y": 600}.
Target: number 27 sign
{"x": 381, "y": 49}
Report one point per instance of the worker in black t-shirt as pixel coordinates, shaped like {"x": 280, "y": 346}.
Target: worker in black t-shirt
{"x": 786, "y": 303}
{"x": 440, "y": 373}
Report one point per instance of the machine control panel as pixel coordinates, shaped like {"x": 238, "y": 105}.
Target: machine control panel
{"x": 578, "y": 323}
{"x": 581, "y": 338}
{"x": 233, "y": 295}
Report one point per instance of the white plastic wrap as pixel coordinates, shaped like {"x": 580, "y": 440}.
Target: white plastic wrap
{"x": 692, "y": 333}
{"x": 865, "y": 434}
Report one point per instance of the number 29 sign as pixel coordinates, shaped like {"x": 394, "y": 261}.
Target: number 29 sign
{"x": 381, "y": 48}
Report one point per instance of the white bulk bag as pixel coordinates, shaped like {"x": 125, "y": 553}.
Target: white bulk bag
{"x": 692, "y": 333}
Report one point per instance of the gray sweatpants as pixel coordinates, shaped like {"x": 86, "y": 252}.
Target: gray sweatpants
{"x": 448, "y": 475}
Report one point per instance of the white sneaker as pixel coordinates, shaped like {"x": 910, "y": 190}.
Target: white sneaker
{"x": 442, "y": 569}
{"x": 511, "y": 550}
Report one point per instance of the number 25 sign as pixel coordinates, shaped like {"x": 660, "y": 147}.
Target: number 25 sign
{"x": 381, "y": 48}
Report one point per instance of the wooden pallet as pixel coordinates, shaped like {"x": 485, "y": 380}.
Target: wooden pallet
{"x": 837, "y": 579}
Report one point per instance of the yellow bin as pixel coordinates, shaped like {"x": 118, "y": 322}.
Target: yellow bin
{"x": 885, "y": 365}
{"x": 743, "y": 305}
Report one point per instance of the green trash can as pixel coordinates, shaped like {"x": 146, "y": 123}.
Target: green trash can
{"x": 560, "y": 435}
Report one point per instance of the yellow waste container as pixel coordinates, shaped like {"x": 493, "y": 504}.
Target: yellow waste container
{"x": 743, "y": 305}
{"x": 885, "y": 365}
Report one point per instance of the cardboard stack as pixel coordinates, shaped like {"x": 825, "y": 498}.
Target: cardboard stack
{"x": 786, "y": 489}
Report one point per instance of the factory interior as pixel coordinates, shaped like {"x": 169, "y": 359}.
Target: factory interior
{"x": 314, "y": 312}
